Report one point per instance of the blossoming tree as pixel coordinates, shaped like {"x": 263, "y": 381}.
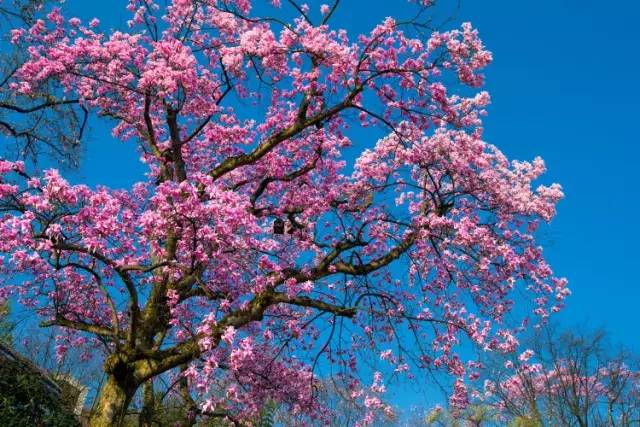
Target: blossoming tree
{"x": 269, "y": 238}
{"x": 564, "y": 379}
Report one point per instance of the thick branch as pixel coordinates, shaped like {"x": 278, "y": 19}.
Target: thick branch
{"x": 389, "y": 257}
{"x": 264, "y": 148}
{"x": 176, "y": 146}
{"x": 303, "y": 301}
{"x": 80, "y": 326}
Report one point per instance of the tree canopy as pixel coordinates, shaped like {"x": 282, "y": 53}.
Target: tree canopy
{"x": 270, "y": 240}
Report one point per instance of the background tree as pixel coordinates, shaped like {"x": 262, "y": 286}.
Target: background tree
{"x": 29, "y": 396}
{"x": 258, "y": 252}
{"x": 24, "y": 401}
{"x": 476, "y": 415}
{"x": 346, "y": 410}
{"x": 76, "y": 364}
{"x": 566, "y": 379}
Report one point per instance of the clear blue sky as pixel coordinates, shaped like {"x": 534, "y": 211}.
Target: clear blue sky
{"x": 565, "y": 85}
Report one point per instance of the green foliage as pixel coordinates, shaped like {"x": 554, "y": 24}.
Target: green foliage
{"x": 25, "y": 400}
{"x": 478, "y": 414}
{"x": 6, "y": 325}
{"x": 525, "y": 422}
{"x": 268, "y": 415}
{"x": 474, "y": 415}
{"x": 434, "y": 416}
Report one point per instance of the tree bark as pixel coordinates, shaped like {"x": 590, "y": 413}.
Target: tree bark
{"x": 189, "y": 403}
{"x": 148, "y": 405}
{"x": 113, "y": 401}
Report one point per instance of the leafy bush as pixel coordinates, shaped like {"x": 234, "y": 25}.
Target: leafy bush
{"x": 26, "y": 401}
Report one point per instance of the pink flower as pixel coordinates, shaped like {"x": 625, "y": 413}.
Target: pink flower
{"x": 386, "y": 355}
{"x": 16, "y": 35}
{"x": 228, "y": 335}
{"x": 525, "y": 356}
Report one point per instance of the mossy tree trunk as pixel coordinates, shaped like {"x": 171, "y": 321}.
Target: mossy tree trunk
{"x": 116, "y": 394}
{"x": 113, "y": 401}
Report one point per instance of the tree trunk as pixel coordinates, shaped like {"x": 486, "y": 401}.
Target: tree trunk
{"x": 189, "y": 403}
{"x": 112, "y": 404}
{"x": 148, "y": 405}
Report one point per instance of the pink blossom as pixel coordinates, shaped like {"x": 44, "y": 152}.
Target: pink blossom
{"x": 229, "y": 334}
